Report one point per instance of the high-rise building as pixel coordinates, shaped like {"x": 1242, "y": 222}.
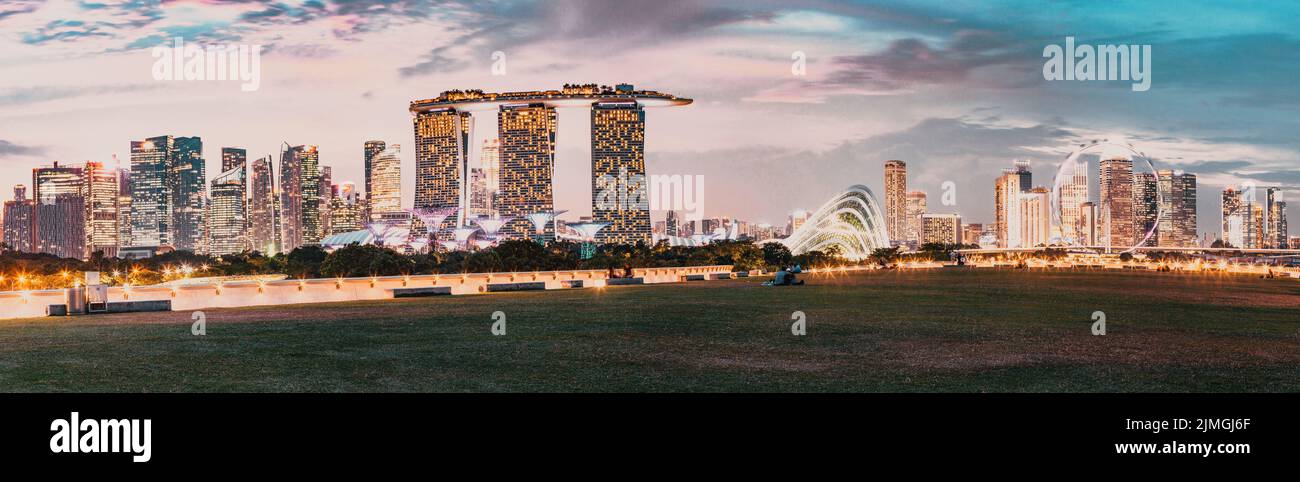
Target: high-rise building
{"x": 1147, "y": 208}
{"x": 896, "y": 200}
{"x": 940, "y": 228}
{"x": 300, "y": 197}
{"x": 1088, "y": 224}
{"x": 20, "y": 222}
{"x": 61, "y": 226}
{"x": 1035, "y": 218}
{"x": 233, "y": 156}
{"x": 51, "y": 181}
{"x": 291, "y": 182}
{"x": 383, "y": 180}
{"x": 1006, "y": 203}
{"x": 151, "y": 193}
{"x": 99, "y": 190}
{"x": 227, "y": 213}
{"x": 326, "y": 199}
{"x": 368, "y": 152}
{"x": 263, "y": 211}
{"x": 1180, "y": 204}
{"x": 1073, "y": 192}
{"x": 671, "y": 225}
{"x": 1277, "y": 228}
{"x": 1230, "y": 206}
{"x": 441, "y": 155}
{"x": 1116, "y": 217}
{"x": 914, "y": 208}
{"x": 123, "y": 207}
{"x": 527, "y": 136}
{"x": 619, "y": 194}
{"x": 345, "y": 210}
{"x": 189, "y": 182}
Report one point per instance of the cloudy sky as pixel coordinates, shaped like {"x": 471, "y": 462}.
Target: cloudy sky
{"x": 953, "y": 87}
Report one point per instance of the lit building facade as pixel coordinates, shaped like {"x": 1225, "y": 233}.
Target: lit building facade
{"x": 1180, "y": 206}
{"x": 383, "y": 181}
{"x": 228, "y": 218}
{"x": 151, "y": 194}
{"x": 527, "y": 136}
{"x": 441, "y": 153}
{"x": 619, "y": 194}
{"x": 1116, "y": 205}
{"x": 1277, "y": 227}
{"x": 60, "y": 226}
{"x": 940, "y": 228}
{"x": 291, "y": 198}
{"x": 915, "y": 206}
{"x": 1036, "y": 218}
{"x": 189, "y": 181}
{"x": 233, "y": 156}
{"x": 1147, "y": 208}
{"x": 896, "y": 199}
{"x": 99, "y": 190}
{"x": 263, "y": 212}
{"x": 1073, "y": 194}
{"x": 20, "y": 221}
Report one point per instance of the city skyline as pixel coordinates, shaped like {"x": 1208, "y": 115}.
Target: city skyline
{"x": 885, "y": 81}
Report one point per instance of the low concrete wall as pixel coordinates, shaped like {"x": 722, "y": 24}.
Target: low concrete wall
{"x": 27, "y": 304}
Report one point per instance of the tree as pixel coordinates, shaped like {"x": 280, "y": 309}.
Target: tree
{"x": 776, "y": 255}
{"x": 884, "y": 256}
{"x": 305, "y": 261}
{"x": 356, "y": 260}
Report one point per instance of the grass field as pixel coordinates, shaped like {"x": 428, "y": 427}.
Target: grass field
{"x": 937, "y": 330}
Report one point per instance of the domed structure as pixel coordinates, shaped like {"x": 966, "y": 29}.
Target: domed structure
{"x": 850, "y": 220}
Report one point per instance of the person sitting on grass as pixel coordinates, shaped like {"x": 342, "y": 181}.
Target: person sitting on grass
{"x": 784, "y": 277}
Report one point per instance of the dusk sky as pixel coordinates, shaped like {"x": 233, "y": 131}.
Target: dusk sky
{"x": 954, "y": 88}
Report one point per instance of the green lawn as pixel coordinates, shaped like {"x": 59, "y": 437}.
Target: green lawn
{"x": 938, "y": 330}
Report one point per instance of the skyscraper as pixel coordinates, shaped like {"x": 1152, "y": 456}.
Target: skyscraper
{"x": 527, "y": 134}
{"x": 1180, "y": 205}
{"x": 1116, "y": 220}
{"x": 1088, "y": 224}
{"x": 441, "y": 155}
{"x": 345, "y": 211}
{"x": 233, "y": 156}
{"x": 619, "y": 195}
{"x": 896, "y": 200}
{"x": 1035, "y": 218}
{"x": 1147, "y": 208}
{"x": 123, "y": 206}
{"x": 151, "y": 193}
{"x": 263, "y": 214}
{"x": 291, "y": 182}
{"x": 1277, "y": 228}
{"x": 383, "y": 180}
{"x": 914, "y": 208}
{"x": 1230, "y": 206}
{"x": 20, "y": 222}
{"x": 189, "y": 180}
{"x": 326, "y": 199}
{"x": 60, "y": 226}
{"x": 227, "y": 214}
{"x": 300, "y": 196}
{"x": 99, "y": 190}
{"x": 1073, "y": 194}
{"x": 52, "y": 181}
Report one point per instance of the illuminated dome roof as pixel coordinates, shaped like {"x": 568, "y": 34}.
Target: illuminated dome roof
{"x": 850, "y": 220}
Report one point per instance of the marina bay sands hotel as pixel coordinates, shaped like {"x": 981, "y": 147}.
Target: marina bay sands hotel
{"x": 526, "y": 127}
